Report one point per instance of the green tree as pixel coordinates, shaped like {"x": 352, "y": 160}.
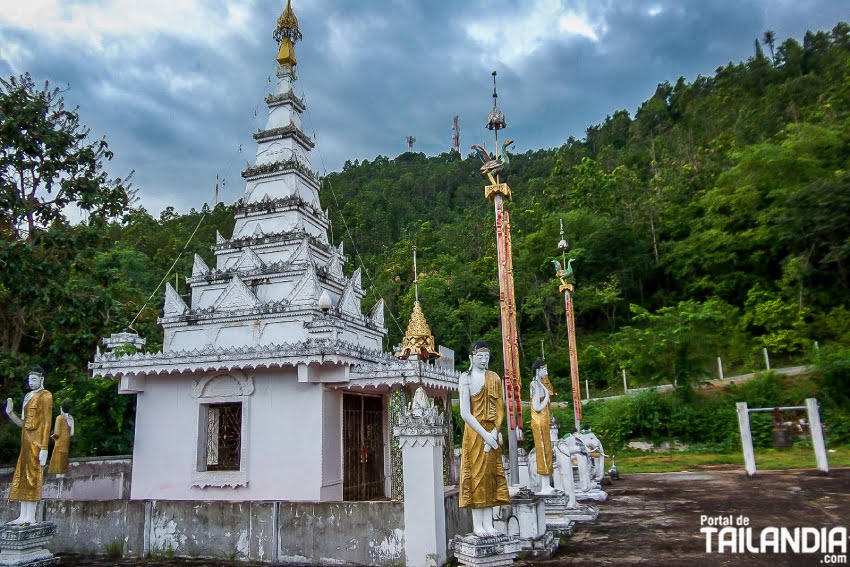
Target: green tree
{"x": 47, "y": 161}
{"x": 676, "y": 344}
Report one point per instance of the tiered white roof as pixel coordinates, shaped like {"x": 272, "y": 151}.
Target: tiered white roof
{"x": 278, "y": 289}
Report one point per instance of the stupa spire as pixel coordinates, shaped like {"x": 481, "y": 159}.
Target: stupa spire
{"x": 287, "y": 34}
{"x": 418, "y": 340}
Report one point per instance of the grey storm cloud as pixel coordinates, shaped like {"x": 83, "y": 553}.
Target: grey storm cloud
{"x": 178, "y": 103}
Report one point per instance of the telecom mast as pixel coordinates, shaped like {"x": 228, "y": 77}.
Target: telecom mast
{"x": 410, "y": 141}
{"x": 455, "y": 135}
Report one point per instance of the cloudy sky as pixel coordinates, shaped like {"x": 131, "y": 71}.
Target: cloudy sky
{"x": 176, "y": 85}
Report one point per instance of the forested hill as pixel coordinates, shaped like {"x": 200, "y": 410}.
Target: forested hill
{"x": 722, "y": 208}
{"x": 714, "y": 222}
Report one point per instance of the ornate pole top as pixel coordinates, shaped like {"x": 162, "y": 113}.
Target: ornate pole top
{"x": 564, "y": 272}
{"x": 496, "y": 119}
{"x": 287, "y": 34}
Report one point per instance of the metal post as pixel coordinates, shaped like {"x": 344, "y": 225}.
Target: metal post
{"x": 625, "y": 384}
{"x": 720, "y": 368}
{"x": 746, "y": 438}
{"x": 817, "y": 434}
{"x": 766, "y": 359}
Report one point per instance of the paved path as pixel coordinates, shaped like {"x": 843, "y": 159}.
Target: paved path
{"x": 654, "y": 519}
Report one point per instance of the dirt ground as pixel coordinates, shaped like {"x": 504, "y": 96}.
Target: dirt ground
{"x": 654, "y": 519}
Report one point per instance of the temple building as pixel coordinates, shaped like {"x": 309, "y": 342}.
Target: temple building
{"x": 272, "y": 384}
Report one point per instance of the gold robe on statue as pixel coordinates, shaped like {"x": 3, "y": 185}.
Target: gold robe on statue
{"x": 482, "y": 477}
{"x": 61, "y": 440}
{"x": 548, "y": 383}
{"x": 36, "y": 415}
{"x": 540, "y": 423}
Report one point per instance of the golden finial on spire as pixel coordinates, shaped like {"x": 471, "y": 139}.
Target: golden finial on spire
{"x": 286, "y": 34}
{"x": 418, "y": 340}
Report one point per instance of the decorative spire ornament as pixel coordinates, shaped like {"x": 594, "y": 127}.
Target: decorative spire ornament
{"x": 418, "y": 339}
{"x": 287, "y": 34}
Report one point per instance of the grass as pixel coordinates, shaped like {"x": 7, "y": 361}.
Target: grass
{"x": 766, "y": 459}
{"x": 114, "y": 549}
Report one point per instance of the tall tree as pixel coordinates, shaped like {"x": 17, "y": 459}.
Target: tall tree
{"x": 47, "y": 161}
{"x": 769, "y": 39}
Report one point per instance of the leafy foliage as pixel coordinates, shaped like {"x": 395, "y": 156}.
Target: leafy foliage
{"x": 711, "y": 223}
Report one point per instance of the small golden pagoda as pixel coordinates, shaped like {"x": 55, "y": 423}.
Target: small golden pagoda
{"x": 418, "y": 340}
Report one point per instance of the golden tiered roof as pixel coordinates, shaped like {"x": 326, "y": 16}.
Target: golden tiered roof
{"x": 418, "y": 340}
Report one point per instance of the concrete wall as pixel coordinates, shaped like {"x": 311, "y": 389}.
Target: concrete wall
{"x": 317, "y": 533}
{"x": 88, "y": 526}
{"x": 92, "y": 478}
{"x": 237, "y": 530}
{"x": 458, "y": 520}
{"x": 364, "y": 533}
{"x": 282, "y": 462}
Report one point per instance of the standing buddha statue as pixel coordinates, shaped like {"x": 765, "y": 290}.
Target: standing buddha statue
{"x": 482, "y": 475}
{"x": 37, "y": 414}
{"x": 540, "y": 424}
{"x": 63, "y": 430}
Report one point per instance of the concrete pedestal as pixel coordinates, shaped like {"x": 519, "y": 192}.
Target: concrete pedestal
{"x": 27, "y": 545}
{"x": 525, "y": 518}
{"x": 556, "y": 513}
{"x": 421, "y": 436}
{"x": 492, "y": 551}
{"x": 558, "y": 506}
{"x": 524, "y": 476}
{"x": 592, "y": 495}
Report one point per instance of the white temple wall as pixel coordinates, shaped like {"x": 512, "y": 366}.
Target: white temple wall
{"x": 278, "y": 188}
{"x": 204, "y": 297}
{"x": 280, "y": 460}
{"x": 361, "y": 339}
{"x": 332, "y": 456}
{"x": 280, "y": 149}
{"x": 283, "y": 115}
{"x": 281, "y": 222}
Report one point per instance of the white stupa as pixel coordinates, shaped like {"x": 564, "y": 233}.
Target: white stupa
{"x": 272, "y": 383}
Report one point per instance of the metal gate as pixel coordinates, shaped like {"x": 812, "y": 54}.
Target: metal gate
{"x": 363, "y": 447}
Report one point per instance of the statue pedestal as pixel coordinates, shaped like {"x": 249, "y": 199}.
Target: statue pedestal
{"x": 560, "y": 518}
{"x": 492, "y": 551}
{"x": 525, "y": 518}
{"x": 524, "y": 476}
{"x": 26, "y": 545}
{"x": 594, "y": 494}
{"x": 556, "y": 513}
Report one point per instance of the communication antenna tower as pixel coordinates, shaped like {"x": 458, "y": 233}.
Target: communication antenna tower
{"x": 410, "y": 142}
{"x": 455, "y": 135}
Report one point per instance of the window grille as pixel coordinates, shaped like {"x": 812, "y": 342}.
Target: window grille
{"x": 224, "y": 436}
